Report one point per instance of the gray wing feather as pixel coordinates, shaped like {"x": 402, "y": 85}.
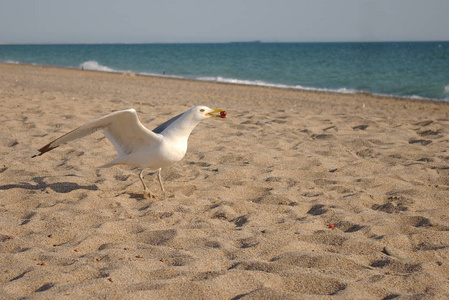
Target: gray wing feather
{"x": 164, "y": 125}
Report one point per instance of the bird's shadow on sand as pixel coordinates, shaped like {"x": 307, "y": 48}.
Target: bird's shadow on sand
{"x": 58, "y": 187}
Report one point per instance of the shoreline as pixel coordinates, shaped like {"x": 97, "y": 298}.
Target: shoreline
{"x": 294, "y": 195}
{"x": 241, "y": 82}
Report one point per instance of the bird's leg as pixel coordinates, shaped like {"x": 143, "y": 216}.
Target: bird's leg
{"x": 160, "y": 179}
{"x": 145, "y": 189}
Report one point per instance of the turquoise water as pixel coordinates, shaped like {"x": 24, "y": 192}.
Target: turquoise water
{"x": 414, "y": 70}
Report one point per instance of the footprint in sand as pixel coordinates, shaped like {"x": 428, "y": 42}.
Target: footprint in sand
{"x": 360, "y": 127}
{"x": 419, "y": 141}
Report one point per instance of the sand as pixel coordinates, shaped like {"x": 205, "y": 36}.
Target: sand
{"x": 295, "y": 195}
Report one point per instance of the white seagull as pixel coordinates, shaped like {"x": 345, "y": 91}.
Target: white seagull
{"x": 138, "y": 146}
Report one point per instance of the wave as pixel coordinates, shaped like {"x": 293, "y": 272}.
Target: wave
{"x": 95, "y": 66}
{"x": 275, "y": 85}
{"x": 342, "y": 90}
{"x": 446, "y": 93}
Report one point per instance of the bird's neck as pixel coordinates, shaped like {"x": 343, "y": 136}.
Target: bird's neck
{"x": 180, "y": 129}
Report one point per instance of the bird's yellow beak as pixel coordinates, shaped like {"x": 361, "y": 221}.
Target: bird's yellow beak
{"x": 219, "y": 113}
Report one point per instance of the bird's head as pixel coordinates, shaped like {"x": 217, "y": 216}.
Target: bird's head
{"x": 183, "y": 124}
{"x": 204, "y": 112}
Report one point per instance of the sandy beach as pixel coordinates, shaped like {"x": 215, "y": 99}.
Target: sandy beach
{"x": 295, "y": 195}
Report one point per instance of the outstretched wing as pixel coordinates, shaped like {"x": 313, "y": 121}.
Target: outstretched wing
{"x": 122, "y": 128}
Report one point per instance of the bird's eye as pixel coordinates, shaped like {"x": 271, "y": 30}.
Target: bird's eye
{"x": 202, "y": 110}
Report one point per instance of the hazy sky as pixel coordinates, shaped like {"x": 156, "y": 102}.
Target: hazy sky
{"x": 109, "y": 21}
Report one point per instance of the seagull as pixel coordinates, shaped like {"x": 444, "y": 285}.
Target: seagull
{"x": 138, "y": 146}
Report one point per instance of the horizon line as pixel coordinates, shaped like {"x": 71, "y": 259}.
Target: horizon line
{"x": 228, "y": 42}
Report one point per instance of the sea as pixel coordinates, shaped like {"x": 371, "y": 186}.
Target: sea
{"x": 417, "y": 70}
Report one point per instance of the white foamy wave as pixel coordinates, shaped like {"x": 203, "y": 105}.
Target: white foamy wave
{"x": 95, "y": 66}
{"x": 274, "y": 85}
{"x": 244, "y": 82}
{"x": 340, "y": 90}
{"x": 12, "y": 62}
{"x": 446, "y": 92}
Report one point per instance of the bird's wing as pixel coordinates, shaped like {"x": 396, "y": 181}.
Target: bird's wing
{"x": 122, "y": 128}
{"x": 164, "y": 125}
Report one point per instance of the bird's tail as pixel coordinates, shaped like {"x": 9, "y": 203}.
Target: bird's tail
{"x": 110, "y": 164}
{"x": 118, "y": 161}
